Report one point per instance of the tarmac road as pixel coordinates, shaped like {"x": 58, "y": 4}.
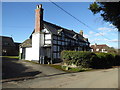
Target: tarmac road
{"x": 107, "y": 78}
{"x": 14, "y": 69}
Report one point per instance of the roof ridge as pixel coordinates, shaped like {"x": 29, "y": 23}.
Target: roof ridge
{"x": 56, "y": 25}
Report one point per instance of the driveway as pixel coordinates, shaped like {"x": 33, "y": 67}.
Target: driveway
{"x": 14, "y": 69}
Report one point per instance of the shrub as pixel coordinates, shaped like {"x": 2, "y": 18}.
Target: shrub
{"x": 78, "y": 58}
{"x": 105, "y": 60}
{"x": 87, "y": 59}
{"x": 117, "y": 60}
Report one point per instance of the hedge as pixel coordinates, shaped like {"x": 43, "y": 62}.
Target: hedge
{"x": 87, "y": 59}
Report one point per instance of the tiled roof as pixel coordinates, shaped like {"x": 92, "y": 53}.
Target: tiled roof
{"x": 27, "y": 43}
{"x": 54, "y": 29}
{"x": 99, "y": 46}
{"x": 6, "y": 41}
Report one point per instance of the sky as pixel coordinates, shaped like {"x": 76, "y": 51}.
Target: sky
{"x": 18, "y": 21}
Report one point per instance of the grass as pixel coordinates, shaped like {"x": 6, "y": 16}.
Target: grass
{"x": 56, "y": 66}
{"x": 31, "y": 61}
{"x": 63, "y": 68}
{"x": 79, "y": 69}
{"x": 15, "y": 57}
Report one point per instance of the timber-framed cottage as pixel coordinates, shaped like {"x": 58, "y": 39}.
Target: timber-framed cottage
{"x": 48, "y": 40}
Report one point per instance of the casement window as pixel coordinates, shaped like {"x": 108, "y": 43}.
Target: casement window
{"x": 54, "y": 48}
{"x": 47, "y": 36}
{"x": 48, "y": 42}
{"x": 54, "y": 55}
{"x": 63, "y": 43}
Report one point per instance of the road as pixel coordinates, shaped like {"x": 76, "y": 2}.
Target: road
{"x": 105, "y": 78}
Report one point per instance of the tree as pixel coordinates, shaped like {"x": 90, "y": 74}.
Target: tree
{"x": 110, "y": 11}
{"x": 112, "y": 50}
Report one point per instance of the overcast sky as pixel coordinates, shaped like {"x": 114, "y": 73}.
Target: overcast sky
{"x": 18, "y": 20}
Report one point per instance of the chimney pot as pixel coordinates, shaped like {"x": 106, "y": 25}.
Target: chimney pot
{"x": 39, "y": 6}
{"x": 81, "y": 32}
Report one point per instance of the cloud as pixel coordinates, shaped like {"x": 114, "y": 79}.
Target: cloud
{"x": 111, "y": 25}
{"x": 108, "y": 29}
{"x": 95, "y": 40}
{"x": 114, "y": 40}
{"x": 86, "y": 35}
{"x": 106, "y": 40}
{"x": 91, "y": 32}
{"x": 100, "y": 34}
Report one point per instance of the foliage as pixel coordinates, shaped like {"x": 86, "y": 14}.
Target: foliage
{"x": 105, "y": 60}
{"x": 80, "y": 58}
{"x": 79, "y": 69}
{"x": 109, "y": 11}
{"x": 87, "y": 59}
{"x": 117, "y": 60}
{"x": 112, "y": 50}
{"x": 15, "y": 57}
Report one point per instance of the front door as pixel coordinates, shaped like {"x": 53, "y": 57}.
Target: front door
{"x": 23, "y": 53}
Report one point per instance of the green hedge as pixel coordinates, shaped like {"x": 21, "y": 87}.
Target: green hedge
{"x": 87, "y": 59}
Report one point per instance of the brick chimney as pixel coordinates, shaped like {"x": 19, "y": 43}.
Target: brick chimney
{"x": 81, "y": 32}
{"x": 38, "y": 18}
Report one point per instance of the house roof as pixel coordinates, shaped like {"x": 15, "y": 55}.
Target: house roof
{"x": 101, "y": 46}
{"x": 54, "y": 29}
{"x": 27, "y": 43}
{"x": 6, "y": 41}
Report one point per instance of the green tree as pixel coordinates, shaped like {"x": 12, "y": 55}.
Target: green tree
{"x": 112, "y": 50}
{"x": 110, "y": 11}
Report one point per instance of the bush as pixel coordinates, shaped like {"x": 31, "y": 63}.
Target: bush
{"x": 117, "y": 60}
{"x": 105, "y": 60}
{"x": 87, "y": 59}
{"x": 78, "y": 58}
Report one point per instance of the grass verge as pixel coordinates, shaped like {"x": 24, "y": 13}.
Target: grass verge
{"x": 63, "y": 68}
{"x": 30, "y": 61}
{"x": 14, "y": 57}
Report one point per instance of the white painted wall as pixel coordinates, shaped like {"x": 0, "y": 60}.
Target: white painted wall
{"x": 20, "y": 50}
{"x": 47, "y": 36}
{"x": 28, "y": 54}
{"x": 45, "y": 30}
{"x": 35, "y": 46}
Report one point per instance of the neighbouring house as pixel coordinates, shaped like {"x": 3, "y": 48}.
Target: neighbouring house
{"x": 48, "y": 40}
{"x": 100, "y": 48}
{"x": 8, "y": 46}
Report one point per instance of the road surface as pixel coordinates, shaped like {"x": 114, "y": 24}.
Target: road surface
{"x": 48, "y": 77}
{"x": 107, "y": 78}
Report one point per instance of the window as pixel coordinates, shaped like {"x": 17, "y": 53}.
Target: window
{"x": 97, "y": 49}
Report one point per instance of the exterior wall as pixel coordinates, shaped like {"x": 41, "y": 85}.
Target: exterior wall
{"x": 8, "y": 46}
{"x": 40, "y": 41}
{"x": 35, "y": 46}
{"x": 62, "y": 42}
{"x": 28, "y": 54}
{"x": 50, "y": 46}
